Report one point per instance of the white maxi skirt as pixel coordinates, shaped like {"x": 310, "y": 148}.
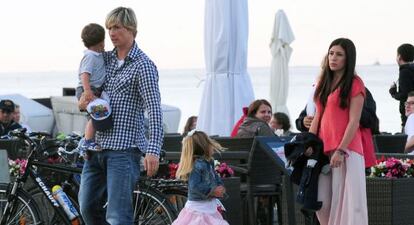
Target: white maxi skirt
{"x": 343, "y": 193}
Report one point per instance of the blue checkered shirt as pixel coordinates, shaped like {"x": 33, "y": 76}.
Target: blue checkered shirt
{"x": 132, "y": 88}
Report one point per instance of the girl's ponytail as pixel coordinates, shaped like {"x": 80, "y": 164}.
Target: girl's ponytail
{"x": 186, "y": 160}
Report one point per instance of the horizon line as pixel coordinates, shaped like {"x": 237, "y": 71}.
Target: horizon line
{"x": 193, "y": 68}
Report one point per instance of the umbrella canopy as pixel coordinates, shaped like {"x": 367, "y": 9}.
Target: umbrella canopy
{"x": 228, "y": 87}
{"x": 282, "y": 36}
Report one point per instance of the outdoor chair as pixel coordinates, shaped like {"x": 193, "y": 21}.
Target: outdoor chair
{"x": 14, "y": 148}
{"x": 388, "y": 143}
{"x": 264, "y": 174}
{"x": 172, "y": 143}
{"x": 235, "y": 144}
{"x": 239, "y": 146}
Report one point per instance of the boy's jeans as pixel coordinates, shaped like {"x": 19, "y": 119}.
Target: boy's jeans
{"x": 109, "y": 176}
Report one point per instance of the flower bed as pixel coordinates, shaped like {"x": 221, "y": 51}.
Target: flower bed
{"x": 390, "y": 192}
{"x": 393, "y": 168}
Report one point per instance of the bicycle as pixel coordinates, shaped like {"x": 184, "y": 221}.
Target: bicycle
{"x": 150, "y": 205}
{"x": 17, "y": 205}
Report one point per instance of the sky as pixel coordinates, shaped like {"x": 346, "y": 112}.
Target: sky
{"x": 44, "y": 35}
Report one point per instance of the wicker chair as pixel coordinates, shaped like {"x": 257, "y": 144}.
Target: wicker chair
{"x": 264, "y": 178}
{"x": 388, "y": 143}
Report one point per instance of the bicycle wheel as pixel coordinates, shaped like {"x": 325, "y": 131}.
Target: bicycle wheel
{"x": 25, "y": 211}
{"x": 151, "y": 207}
{"x": 176, "y": 197}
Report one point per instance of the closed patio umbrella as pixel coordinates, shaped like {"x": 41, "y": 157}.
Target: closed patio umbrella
{"x": 282, "y": 37}
{"x": 227, "y": 87}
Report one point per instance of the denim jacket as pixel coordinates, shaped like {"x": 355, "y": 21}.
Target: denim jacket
{"x": 203, "y": 180}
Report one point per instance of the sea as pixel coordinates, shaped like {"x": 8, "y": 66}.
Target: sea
{"x": 183, "y": 88}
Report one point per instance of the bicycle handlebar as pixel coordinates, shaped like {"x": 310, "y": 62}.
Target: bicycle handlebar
{"x": 63, "y": 150}
{"x": 20, "y": 132}
{"x": 39, "y": 133}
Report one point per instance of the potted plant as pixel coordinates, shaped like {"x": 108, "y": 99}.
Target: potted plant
{"x": 390, "y": 192}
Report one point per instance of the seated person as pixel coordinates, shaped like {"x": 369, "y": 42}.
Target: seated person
{"x": 6, "y": 117}
{"x": 409, "y": 125}
{"x": 280, "y": 123}
{"x": 257, "y": 121}
{"x": 17, "y": 118}
{"x": 190, "y": 125}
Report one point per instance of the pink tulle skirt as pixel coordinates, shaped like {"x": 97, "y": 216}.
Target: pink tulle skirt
{"x": 192, "y": 217}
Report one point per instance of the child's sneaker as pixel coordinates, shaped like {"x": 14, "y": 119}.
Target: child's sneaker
{"x": 91, "y": 145}
{"x": 81, "y": 147}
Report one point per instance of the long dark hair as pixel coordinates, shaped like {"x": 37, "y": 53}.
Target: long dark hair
{"x": 324, "y": 87}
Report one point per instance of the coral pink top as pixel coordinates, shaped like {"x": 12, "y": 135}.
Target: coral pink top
{"x": 335, "y": 120}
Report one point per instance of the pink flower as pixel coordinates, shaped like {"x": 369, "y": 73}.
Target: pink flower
{"x": 17, "y": 166}
{"x": 172, "y": 169}
{"x": 389, "y": 175}
{"x": 223, "y": 170}
{"x": 393, "y": 168}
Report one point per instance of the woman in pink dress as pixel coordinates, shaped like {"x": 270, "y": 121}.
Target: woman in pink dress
{"x": 339, "y": 98}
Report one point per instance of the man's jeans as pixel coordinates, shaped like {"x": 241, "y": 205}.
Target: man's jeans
{"x": 109, "y": 177}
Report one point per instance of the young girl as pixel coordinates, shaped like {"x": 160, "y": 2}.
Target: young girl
{"x": 204, "y": 185}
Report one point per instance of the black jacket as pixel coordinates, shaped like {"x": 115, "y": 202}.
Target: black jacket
{"x": 302, "y": 175}
{"x": 405, "y": 85}
{"x": 369, "y": 118}
{"x": 5, "y": 128}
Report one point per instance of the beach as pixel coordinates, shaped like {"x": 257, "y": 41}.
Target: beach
{"x": 183, "y": 88}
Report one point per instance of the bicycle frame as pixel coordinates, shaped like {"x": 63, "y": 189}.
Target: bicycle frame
{"x": 47, "y": 192}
